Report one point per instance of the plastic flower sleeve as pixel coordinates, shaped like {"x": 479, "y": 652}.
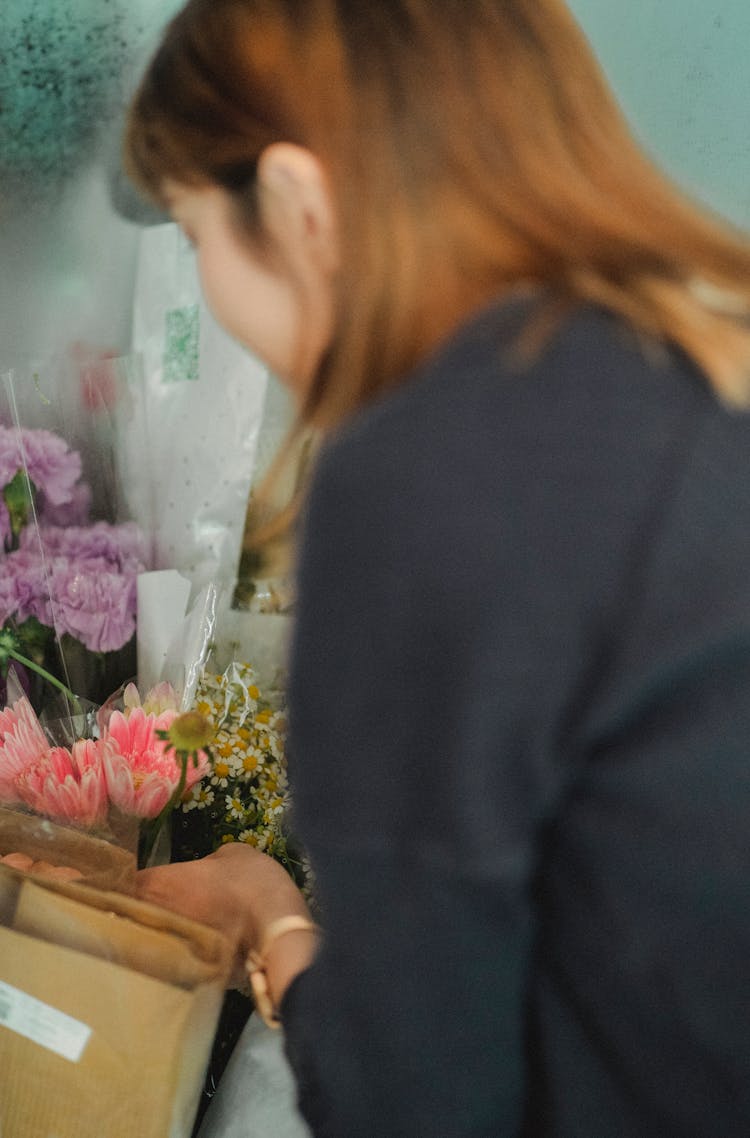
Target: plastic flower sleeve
{"x": 177, "y": 640}
{"x": 56, "y": 816}
{"x": 174, "y": 637}
{"x": 163, "y": 596}
{"x": 69, "y": 562}
{"x": 244, "y": 793}
{"x": 115, "y": 773}
{"x": 261, "y": 637}
{"x": 204, "y": 402}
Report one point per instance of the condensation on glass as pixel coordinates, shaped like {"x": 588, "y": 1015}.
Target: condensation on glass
{"x": 67, "y": 232}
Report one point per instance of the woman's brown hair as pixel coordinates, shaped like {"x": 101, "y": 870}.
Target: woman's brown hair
{"x": 471, "y": 146}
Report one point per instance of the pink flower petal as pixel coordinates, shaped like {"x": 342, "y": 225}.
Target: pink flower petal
{"x": 153, "y": 795}
{"x": 55, "y": 785}
{"x": 119, "y": 780}
{"x": 22, "y": 742}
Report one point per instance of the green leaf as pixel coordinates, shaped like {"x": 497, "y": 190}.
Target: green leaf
{"x": 34, "y": 638}
{"x": 8, "y": 648}
{"x": 19, "y": 495}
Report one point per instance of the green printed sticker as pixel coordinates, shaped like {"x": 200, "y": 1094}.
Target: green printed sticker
{"x": 181, "y": 349}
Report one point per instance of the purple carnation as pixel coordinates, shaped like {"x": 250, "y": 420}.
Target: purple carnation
{"x": 28, "y": 592}
{"x": 50, "y": 463}
{"x": 52, "y": 466}
{"x": 76, "y": 578}
{"x": 96, "y": 606}
{"x": 91, "y": 597}
{"x": 119, "y": 547}
{"x": 76, "y": 512}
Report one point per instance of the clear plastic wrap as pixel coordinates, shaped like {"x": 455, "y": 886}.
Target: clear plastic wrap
{"x": 68, "y": 560}
{"x": 244, "y": 795}
{"x": 210, "y": 410}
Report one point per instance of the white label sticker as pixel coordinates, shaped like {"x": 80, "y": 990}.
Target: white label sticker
{"x": 42, "y": 1024}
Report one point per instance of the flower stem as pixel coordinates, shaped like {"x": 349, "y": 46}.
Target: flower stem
{"x": 40, "y": 671}
{"x": 151, "y": 830}
{"x": 149, "y": 836}
{"x": 174, "y": 801}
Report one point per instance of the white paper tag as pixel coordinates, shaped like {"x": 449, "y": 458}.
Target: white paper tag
{"x": 42, "y": 1024}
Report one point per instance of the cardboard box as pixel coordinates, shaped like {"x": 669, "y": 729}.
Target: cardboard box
{"x": 108, "y": 1010}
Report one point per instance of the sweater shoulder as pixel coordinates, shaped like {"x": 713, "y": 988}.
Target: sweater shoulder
{"x": 594, "y": 401}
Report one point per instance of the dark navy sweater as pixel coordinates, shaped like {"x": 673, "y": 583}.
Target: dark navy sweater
{"x": 520, "y": 749}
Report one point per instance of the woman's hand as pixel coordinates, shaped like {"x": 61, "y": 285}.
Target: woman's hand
{"x": 240, "y": 892}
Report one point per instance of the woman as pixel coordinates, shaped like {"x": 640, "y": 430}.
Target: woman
{"x": 520, "y": 683}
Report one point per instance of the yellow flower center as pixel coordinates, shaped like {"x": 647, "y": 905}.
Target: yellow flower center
{"x": 190, "y": 731}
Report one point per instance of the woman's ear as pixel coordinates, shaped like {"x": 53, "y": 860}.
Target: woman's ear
{"x": 296, "y": 204}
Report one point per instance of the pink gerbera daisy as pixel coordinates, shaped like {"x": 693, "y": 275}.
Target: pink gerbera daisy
{"x": 22, "y": 742}
{"x": 141, "y": 774}
{"x": 68, "y": 786}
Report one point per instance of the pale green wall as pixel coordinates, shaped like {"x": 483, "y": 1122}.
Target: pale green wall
{"x": 681, "y": 70}
{"x": 679, "y": 66}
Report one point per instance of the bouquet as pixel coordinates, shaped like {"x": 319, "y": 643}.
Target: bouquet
{"x": 240, "y": 790}
{"x": 244, "y": 796}
{"x": 217, "y": 770}
{"x": 67, "y": 584}
{"x": 125, "y": 774}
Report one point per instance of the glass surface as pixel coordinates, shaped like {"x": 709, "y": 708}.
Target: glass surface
{"x": 67, "y": 253}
